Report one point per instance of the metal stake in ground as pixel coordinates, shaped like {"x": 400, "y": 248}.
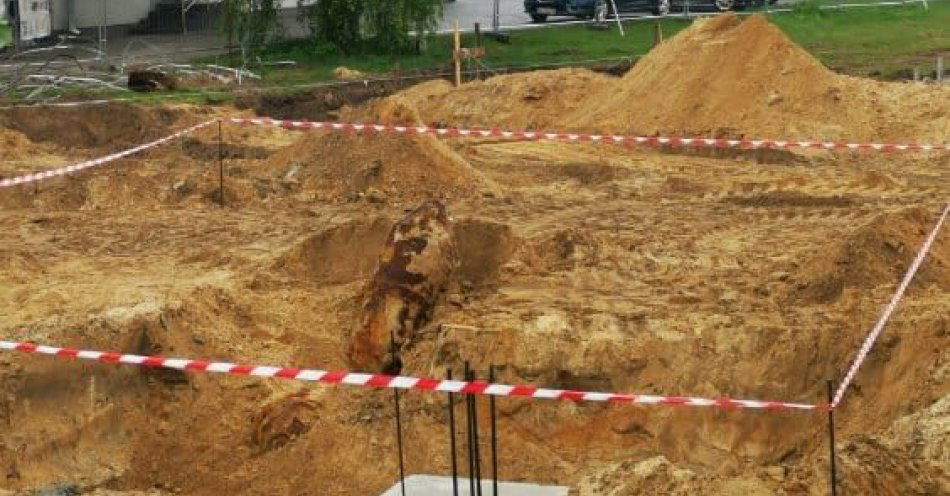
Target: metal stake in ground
{"x": 478, "y": 456}
{"x": 831, "y": 440}
{"x": 494, "y": 438}
{"x": 402, "y": 472}
{"x": 220, "y": 165}
{"x": 455, "y": 470}
{"x": 468, "y": 421}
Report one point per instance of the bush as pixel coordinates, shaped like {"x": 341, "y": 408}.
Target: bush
{"x": 379, "y": 26}
{"x": 251, "y": 23}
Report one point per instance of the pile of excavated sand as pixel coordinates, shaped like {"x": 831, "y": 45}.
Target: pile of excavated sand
{"x": 337, "y": 167}
{"x": 531, "y": 100}
{"x": 720, "y": 77}
{"x": 731, "y": 78}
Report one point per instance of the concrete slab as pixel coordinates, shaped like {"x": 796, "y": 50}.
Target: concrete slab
{"x": 434, "y": 485}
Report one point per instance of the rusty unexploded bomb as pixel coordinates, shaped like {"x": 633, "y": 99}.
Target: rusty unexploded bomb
{"x": 414, "y": 269}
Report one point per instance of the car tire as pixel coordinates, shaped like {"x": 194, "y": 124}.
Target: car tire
{"x": 661, "y": 7}
{"x": 725, "y": 5}
{"x": 539, "y": 18}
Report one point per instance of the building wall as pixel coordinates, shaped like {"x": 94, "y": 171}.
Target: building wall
{"x": 58, "y": 8}
{"x": 118, "y": 12}
{"x": 89, "y": 13}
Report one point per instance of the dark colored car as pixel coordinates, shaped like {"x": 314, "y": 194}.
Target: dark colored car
{"x": 540, "y": 10}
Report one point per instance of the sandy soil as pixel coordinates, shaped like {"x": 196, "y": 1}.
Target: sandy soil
{"x": 740, "y": 273}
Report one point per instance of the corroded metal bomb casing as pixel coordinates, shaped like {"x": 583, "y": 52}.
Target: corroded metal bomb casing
{"x": 414, "y": 269}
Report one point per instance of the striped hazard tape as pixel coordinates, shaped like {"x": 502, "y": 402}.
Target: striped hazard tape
{"x": 39, "y": 176}
{"x": 869, "y": 341}
{"x": 397, "y": 382}
{"x": 653, "y": 141}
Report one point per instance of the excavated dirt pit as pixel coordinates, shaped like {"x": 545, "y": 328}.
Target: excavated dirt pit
{"x": 588, "y": 267}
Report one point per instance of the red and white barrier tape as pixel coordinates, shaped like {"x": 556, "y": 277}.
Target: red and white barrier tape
{"x": 39, "y": 176}
{"x": 653, "y": 141}
{"x": 889, "y": 309}
{"x": 400, "y": 382}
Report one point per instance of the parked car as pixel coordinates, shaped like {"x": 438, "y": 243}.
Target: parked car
{"x": 540, "y": 10}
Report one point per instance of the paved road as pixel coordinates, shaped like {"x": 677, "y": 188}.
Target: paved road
{"x": 468, "y": 12}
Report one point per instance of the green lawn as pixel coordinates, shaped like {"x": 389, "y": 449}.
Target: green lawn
{"x": 873, "y": 41}
{"x": 552, "y": 45}
{"x": 862, "y": 41}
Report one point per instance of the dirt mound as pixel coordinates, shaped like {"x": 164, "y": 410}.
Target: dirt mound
{"x": 14, "y": 145}
{"x": 878, "y": 253}
{"x": 532, "y": 100}
{"x": 341, "y": 254}
{"x": 93, "y": 126}
{"x": 725, "y": 77}
{"x": 337, "y": 167}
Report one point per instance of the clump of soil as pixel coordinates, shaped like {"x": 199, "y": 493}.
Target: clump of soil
{"x": 878, "y": 253}
{"x": 345, "y": 74}
{"x": 283, "y": 420}
{"x": 337, "y": 167}
{"x": 532, "y": 100}
{"x": 725, "y": 77}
